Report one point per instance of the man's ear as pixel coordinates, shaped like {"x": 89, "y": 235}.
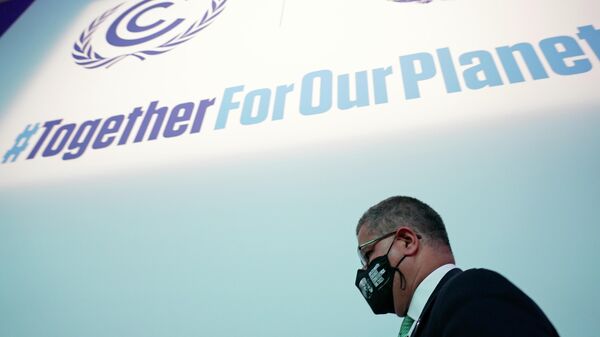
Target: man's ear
{"x": 410, "y": 240}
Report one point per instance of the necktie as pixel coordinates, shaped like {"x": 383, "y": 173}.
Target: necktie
{"x": 405, "y": 327}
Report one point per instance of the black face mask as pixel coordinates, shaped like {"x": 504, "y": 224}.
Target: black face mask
{"x": 375, "y": 283}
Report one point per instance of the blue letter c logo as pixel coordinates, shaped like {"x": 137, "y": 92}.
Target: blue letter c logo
{"x": 114, "y": 39}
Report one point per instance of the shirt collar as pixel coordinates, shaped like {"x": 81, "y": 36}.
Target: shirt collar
{"x": 425, "y": 289}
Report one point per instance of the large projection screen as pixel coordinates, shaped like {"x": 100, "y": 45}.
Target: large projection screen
{"x": 197, "y": 168}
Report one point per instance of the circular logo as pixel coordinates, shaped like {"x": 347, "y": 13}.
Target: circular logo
{"x": 146, "y": 28}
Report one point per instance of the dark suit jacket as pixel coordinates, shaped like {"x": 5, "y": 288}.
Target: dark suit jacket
{"x": 481, "y": 303}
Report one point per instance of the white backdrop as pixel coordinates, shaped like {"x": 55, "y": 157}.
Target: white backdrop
{"x": 247, "y": 226}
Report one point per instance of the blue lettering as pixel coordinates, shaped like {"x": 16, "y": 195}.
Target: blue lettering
{"x": 361, "y": 89}
{"x": 110, "y": 125}
{"x": 410, "y": 75}
{"x": 280, "y": 95}
{"x": 531, "y": 59}
{"x": 65, "y": 132}
{"x": 131, "y": 118}
{"x": 226, "y": 105}
{"x": 80, "y": 145}
{"x": 448, "y": 70}
{"x": 486, "y": 67}
{"x": 204, "y": 104}
{"x": 263, "y": 97}
{"x": 380, "y": 84}
{"x": 592, "y": 37}
{"x": 556, "y": 58}
{"x": 47, "y": 128}
{"x": 180, "y": 113}
{"x": 325, "y": 98}
{"x": 160, "y": 116}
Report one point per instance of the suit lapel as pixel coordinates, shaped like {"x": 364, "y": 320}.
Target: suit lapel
{"x": 425, "y": 314}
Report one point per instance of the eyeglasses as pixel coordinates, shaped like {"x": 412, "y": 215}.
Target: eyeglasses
{"x": 363, "y": 258}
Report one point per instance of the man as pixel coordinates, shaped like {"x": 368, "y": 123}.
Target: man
{"x": 408, "y": 269}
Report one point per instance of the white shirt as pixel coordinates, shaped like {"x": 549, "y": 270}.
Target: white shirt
{"x": 424, "y": 291}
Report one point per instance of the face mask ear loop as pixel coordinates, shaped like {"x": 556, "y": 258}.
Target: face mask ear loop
{"x": 390, "y": 247}
{"x": 402, "y": 278}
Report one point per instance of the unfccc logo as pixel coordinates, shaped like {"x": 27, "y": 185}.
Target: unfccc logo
{"x": 144, "y": 29}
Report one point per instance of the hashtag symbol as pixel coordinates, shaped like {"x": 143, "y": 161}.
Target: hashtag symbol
{"x": 20, "y": 143}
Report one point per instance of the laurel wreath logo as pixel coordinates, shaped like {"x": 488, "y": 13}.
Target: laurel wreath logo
{"x": 85, "y": 56}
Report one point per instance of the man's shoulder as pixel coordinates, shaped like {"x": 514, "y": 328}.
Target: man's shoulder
{"x": 478, "y": 278}
{"x": 478, "y": 285}
{"x": 477, "y": 282}
{"x": 474, "y": 300}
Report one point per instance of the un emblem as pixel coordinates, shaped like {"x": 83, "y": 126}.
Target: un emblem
{"x": 142, "y": 29}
